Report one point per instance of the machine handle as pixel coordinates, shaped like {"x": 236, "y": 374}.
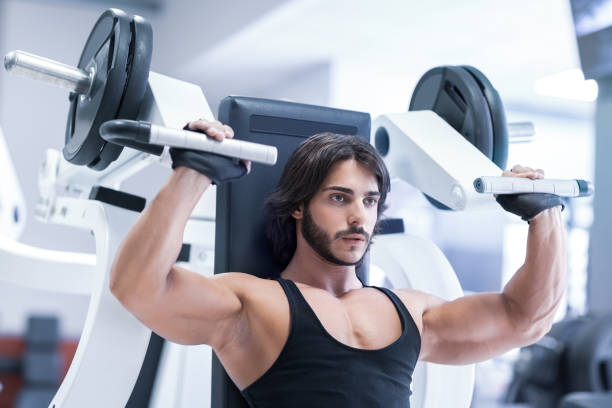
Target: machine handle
{"x": 145, "y": 136}
{"x": 521, "y": 132}
{"x": 517, "y": 185}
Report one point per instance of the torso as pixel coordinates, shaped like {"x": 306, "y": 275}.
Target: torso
{"x": 363, "y": 318}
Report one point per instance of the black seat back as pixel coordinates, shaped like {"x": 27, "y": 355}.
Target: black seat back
{"x": 240, "y": 240}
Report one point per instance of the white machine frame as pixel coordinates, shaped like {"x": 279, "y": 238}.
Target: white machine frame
{"x": 11, "y": 197}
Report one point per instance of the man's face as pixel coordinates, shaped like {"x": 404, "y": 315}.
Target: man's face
{"x": 339, "y": 220}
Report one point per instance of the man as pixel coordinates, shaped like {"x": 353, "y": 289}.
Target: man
{"x": 317, "y": 336}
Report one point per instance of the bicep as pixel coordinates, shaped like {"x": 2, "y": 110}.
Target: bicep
{"x": 191, "y": 308}
{"x": 468, "y": 329}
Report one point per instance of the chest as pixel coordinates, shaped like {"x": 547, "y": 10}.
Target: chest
{"x": 365, "y": 319}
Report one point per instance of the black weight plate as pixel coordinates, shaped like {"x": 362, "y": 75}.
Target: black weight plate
{"x": 589, "y": 359}
{"x": 139, "y": 63}
{"x": 498, "y": 117}
{"x": 456, "y": 97}
{"x": 139, "y": 66}
{"x": 108, "y": 46}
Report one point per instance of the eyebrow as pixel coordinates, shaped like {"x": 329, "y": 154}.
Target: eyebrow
{"x": 350, "y": 191}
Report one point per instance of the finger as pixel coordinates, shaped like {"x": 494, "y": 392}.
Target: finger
{"x": 247, "y": 164}
{"x": 212, "y": 129}
{"x": 529, "y": 175}
{"x": 521, "y": 169}
{"x": 541, "y": 172}
{"x": 229, "y": 132}
{"x": 202, "y": 126}
{"x": 199, "y": 124}
{"x": 508, "y": 173}
{"x": 215, "y": 133}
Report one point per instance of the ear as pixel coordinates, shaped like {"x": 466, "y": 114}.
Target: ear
{"x": 298, "y": 213}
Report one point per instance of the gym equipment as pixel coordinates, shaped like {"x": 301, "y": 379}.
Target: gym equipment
{"x": 12, "y": 206}
{"x": 108, "y": 82}
{"x": 466, "y": 100}
{"x": 516, "y": 185}
{"x": 421, "y": 147}
{"x": 144, "y": 135}
{"x": 570, "y": 366}
{"x": 46, "y": 269}
{"x": 40, "y": 365}
{"x": 113, "y": 343}
{"x": 587, "y": 400}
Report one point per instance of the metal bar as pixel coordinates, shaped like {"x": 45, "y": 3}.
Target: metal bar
{"x": 51, "y": 72}
{"x": 521, "y": 132}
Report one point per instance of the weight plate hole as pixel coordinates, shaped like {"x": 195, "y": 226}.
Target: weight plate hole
{"x": 455, "y": 94}
{"x": 604, "y": 371}
{"x": 381, "y": 141}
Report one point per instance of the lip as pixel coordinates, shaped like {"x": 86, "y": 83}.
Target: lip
{"x": 354, "y": 237}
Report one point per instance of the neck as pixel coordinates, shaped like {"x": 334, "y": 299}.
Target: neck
{"x": 310, "y": 268}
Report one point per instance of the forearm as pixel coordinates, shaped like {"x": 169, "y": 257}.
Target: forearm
{"x": 536, "y": 290}
{"x": 150, "y": 249}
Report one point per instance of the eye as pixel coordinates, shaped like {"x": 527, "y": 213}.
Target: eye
{"x": 339, "y": 198}
{"x": 370, "y": 202}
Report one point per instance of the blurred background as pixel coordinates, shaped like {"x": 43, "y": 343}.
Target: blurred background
{"x": 361, "y": 55}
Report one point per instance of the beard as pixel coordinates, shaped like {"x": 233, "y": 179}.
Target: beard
{"x": 318, "y": 239}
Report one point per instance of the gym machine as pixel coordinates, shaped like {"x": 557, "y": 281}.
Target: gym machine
{"x": 40, "y": 365}
{"x": 570, "y": 367}
{"x": 116, "y": 84}
{"x": 12, "y": 206}
{"x": 112, "y": 82}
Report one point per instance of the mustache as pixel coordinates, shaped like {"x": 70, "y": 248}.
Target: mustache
{"x": 353, "y": 230}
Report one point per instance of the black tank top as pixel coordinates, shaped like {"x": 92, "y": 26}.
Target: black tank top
{"x": 316, "y": 370}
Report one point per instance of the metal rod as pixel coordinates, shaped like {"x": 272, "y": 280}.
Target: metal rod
{"x": 51, "y": 72}
{"x": 521, "y": 132}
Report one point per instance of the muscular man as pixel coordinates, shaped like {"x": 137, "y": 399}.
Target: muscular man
{"x": 316, "y": 336}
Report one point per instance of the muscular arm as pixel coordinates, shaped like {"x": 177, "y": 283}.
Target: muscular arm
{"x": 178, "y": 304}
{"x": 477, "y": 327}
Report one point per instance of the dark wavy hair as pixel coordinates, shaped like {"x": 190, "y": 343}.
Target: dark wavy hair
{"x": 305, "y": 171}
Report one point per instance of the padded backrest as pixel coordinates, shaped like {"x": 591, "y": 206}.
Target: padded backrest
{"x": 240, "y": 240}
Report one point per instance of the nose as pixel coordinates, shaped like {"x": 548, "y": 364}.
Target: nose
{"x": 357, "y": 214}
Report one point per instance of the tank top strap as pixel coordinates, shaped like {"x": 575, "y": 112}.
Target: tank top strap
{"x": 407, "y": 319}
{"x": 302, "y": 316}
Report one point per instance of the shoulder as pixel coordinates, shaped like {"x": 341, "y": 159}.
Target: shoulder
{"x": 417, "y": 303}
{"x": 242, "y": 282}
{"x": 254, "y": 292}
{"x": 250, "y": 289}
{"x": 424, "y": 301}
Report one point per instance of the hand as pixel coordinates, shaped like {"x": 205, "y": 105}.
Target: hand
{"x": 217, "y": 131}
{"x": 524, "y": 172}
{"x": 527, "y": 205}
{"x": 217, "y": 168}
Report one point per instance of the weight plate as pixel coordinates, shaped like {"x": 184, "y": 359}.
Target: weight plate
{"x": 498, "y": 117}
{"x": 139, "y": 63}
{"x": 589, "y": 359}
{"x": 107, "y": 48}
{"x": 456, "y": 97}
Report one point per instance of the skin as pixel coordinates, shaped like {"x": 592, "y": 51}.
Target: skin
{"x": 246, "y": 319}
